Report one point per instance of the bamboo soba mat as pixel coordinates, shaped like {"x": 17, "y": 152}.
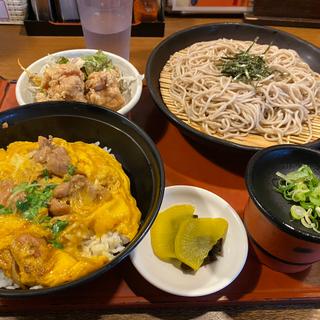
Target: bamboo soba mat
{"x": 251, "y": 140}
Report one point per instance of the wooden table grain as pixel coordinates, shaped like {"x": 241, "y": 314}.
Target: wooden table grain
{"x": 14, "y": 44}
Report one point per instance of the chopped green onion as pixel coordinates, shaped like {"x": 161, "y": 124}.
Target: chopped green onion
{"x": 96, "y": 62}
{"x": 297, "y": 212}
{"x": 56, "y": 229}
{"x": 4, "y": 210}
{"x": 56, "y": 244}
{"x": 302, "y": 188}
{"x": 62, "y": 60}
{"x": 36, "y": 197}
{"x": 71, "y": 169}
{"x": 59, "y": 226}
{"x": 307, "y": 218}
{"x": 46, "y": 174}
{"x": 306, "y": 224}
{"x": 316, "y": 229}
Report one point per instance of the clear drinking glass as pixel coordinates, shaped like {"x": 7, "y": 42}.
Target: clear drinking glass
{"x": 106, "y": 25}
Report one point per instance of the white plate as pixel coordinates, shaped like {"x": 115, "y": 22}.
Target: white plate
{"x": 209, "y": 278}
{"x": 25, "y": 95}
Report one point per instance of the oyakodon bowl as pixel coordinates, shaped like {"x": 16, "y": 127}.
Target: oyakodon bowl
{"x": 88, "y": 123}
{"x": 25, "y": 91}
{"x": 279, "y": 241}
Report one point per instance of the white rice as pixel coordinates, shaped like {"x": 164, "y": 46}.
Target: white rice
{"x": 97, "y": 143}
{"x": 109, "y": 245}
{"x": 6, "y": 282}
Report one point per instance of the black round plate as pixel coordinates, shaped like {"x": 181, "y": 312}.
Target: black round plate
{"x": 239, "y": 31}
{"x": 74, "y": 121}
{"x": 261, "y": 180}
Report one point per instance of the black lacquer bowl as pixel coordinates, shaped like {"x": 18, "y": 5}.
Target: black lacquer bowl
{"x": 238, "y": 31}
{"x": 131, "y": 146}
{"x": 279, "y": 241}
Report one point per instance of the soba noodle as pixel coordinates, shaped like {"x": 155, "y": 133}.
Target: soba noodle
{"x": 275, "y": 107}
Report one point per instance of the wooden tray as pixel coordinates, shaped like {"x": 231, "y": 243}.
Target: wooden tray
{"x": 218, "y": 170}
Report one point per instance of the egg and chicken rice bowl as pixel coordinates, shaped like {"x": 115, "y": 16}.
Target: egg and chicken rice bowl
{"x": 65, "y": 211}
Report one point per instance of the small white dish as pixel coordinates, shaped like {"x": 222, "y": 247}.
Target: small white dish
{"x": 24, "y": 95}
{"x": 211, "y": 277}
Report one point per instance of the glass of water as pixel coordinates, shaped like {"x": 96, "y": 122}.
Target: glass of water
{"x": 106, "y": 25}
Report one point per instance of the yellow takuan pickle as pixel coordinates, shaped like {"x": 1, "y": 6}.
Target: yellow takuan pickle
{"x": 164, "y": 230}
{"x": 196, "y": 237}
{"x": 178, "y": 234}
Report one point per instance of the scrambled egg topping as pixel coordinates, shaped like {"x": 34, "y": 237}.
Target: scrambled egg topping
{"x": 54, "y": 197}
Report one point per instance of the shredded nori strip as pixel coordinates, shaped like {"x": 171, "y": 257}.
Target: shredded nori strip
{"x": 245, "y": 67}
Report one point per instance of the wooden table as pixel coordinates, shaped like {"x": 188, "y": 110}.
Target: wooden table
{"x": 14, "y": 44}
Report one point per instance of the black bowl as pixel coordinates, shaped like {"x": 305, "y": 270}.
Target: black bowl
{"x": 261, "y": 180}
{"x": 240, "y": 31}
{"x": 131, "y": 146}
